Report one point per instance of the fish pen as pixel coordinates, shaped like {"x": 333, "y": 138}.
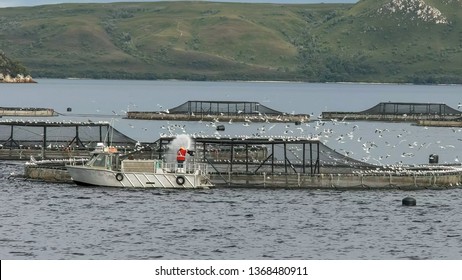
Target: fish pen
{"x": 300, "y": 163}
{"x": 238, "y": 111}
{"x": 400, "y": 111}
{"x": 412, "y": 109}
{"x": 22, "y": 139}
{"x": 225, "y": 108}
{"x": 27, "y": 112}
{"x": 277, "y": 162}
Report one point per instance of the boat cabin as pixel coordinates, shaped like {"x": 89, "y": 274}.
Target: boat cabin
{"x": 109, "y": 161}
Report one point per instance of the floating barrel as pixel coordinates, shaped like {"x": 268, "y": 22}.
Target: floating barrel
{"x": 433, "y": 158}
{"x": 409, "y": 201}
{"x": 220, "y": 127}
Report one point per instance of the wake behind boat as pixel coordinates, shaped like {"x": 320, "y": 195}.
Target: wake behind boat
{"x": 109, "y": 168}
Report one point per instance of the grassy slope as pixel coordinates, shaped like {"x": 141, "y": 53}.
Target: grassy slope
{"x": 399, "y": 46}
{"x": 204, "y": 40}
{"x": 193, "y": 40}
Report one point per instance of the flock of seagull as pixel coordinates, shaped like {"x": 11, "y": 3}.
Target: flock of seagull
{"x": 369, "y": 142}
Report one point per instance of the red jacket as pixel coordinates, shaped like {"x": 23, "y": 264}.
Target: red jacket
{"x": 181, "y": 154}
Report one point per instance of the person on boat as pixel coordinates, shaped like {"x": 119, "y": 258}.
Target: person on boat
{"x": 181, "y": 157}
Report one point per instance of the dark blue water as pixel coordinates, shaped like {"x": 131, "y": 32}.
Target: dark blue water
{"x": 61, "y": 221}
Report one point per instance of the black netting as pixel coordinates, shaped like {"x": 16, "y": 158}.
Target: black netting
{"x": 273, "y": 156}
{"x": 59, "y": 135}
{"x": 228, "y": 108}
{"x": 411, "y": 108}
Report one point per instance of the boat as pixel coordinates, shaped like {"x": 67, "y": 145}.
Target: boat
{"x": 107, "y": 167}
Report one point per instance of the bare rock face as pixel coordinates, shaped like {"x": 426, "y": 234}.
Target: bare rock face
{"x": 18, "y": 79}
{"x": 417, "y": 9}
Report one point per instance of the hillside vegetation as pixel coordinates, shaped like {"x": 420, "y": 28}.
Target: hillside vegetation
{"x": 10, "y": 67}
{"x": 371, "y": 41}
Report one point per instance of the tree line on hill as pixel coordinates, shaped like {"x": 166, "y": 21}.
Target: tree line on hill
{"x": 13, "y": 71}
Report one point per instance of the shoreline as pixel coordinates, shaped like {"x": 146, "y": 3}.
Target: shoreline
{"x": 245, "y": 81}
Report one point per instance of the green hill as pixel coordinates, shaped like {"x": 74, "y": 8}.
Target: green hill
{"x": 400, "y": 40}
{"x": 371, "y": 41}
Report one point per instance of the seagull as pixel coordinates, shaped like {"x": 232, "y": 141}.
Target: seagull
{"x": 407, "y": 155}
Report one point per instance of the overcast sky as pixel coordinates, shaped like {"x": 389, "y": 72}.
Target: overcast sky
{"x": 15, "y": 3}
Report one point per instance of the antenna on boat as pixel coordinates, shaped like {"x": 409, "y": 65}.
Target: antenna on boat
{"x": 110, "y": 130}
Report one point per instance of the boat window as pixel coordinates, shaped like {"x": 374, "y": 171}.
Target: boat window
{"x": 115, "y": 162}
{"x": 109, "y": 161}
{"x": 92, "y": 160}
{"x": 98, "y": 160}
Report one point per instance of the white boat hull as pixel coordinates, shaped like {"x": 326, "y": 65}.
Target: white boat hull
{"x": 83, "y": 175}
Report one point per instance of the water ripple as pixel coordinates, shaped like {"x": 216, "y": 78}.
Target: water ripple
{"x": 61, "y": 221}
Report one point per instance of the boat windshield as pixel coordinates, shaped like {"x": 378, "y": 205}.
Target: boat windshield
{"x": 107, "y": 161}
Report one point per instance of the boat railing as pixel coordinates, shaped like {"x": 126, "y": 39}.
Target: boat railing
{"x": 75, "y": 161}
{"x": 170, "y": 167}
{"x": 187, "y": 167}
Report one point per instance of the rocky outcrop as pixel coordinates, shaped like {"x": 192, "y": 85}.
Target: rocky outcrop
{"x": 18, "y": 79}
{"x": 417, "y": 9}
{"x": 12, "y": 72}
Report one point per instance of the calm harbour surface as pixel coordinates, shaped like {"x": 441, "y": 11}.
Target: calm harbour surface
{"x": 64, "y": 221}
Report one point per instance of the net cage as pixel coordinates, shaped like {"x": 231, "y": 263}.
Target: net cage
{"x": 412, "y": 109}
{"x": 58, "y": 135}
{"x": 227, "y": 108}
{"x": 263, "y": 155}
